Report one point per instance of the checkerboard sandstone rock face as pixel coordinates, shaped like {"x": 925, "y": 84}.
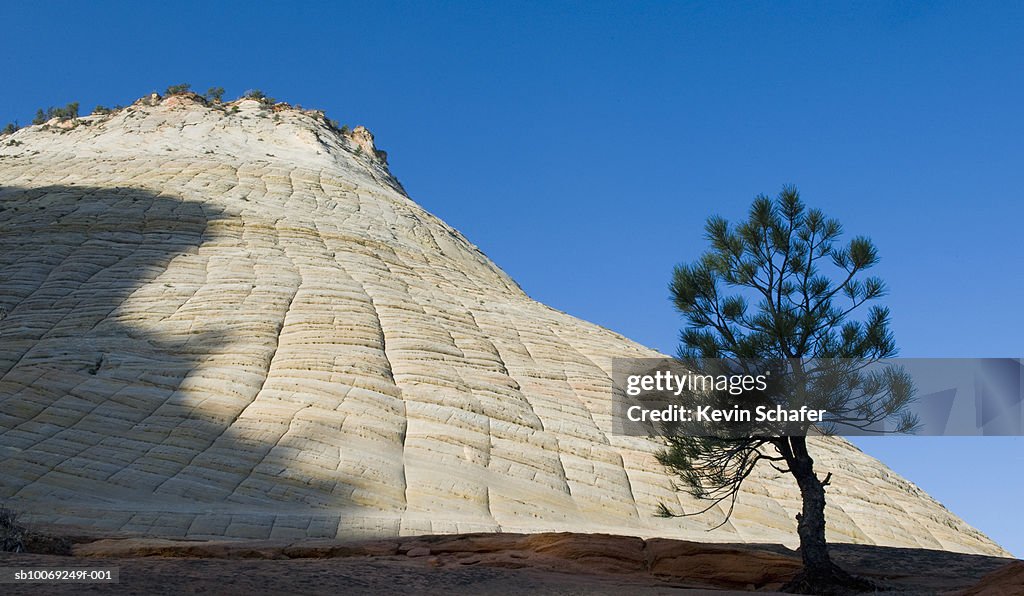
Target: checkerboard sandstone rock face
{"x": 233, "y": 322}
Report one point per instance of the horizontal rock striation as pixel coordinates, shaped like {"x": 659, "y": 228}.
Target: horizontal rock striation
{"x": 230, "y": 321}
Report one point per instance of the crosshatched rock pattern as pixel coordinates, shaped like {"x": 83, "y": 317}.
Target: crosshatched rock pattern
{"x": 233, "y": 322}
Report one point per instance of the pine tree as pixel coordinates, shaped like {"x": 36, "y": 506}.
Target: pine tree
{"x": 774, "y": 261}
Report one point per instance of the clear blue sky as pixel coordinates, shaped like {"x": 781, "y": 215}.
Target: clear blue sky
{"x": 582, "y": 145}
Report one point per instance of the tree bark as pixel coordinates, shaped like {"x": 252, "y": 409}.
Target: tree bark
{"x": 820, "y": 575}
{"x": 811, "y": 521}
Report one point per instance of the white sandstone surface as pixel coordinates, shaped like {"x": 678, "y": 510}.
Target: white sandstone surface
{"x": 233, "y": 322}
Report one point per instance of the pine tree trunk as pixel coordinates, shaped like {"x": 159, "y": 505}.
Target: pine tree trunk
{"x": 811, "y": 524}
{"x": 819, "y": 575}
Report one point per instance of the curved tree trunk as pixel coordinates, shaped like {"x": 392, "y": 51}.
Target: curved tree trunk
{"x": 820, "y": 575}
{"x": 811, "y": 521}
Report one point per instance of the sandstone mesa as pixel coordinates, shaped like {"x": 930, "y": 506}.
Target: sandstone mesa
{"x": 233, "y": 322}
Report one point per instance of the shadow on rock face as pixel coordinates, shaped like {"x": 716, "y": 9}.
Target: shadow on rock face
{"x": 128, "y": 399}
{"x": 84, "y": 386}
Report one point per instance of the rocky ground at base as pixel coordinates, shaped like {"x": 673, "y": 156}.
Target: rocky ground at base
{"x": 547, "y": 563}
